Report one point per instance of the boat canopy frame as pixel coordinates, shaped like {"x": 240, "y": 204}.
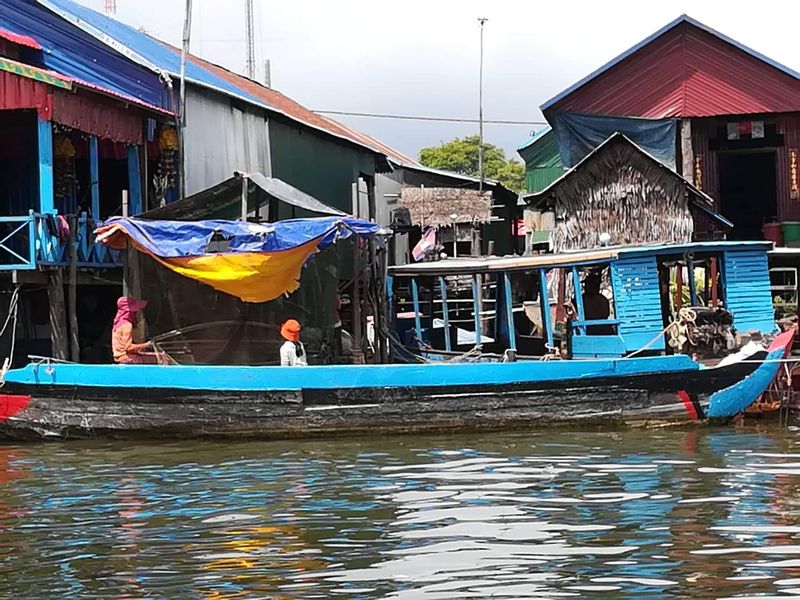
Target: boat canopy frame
{"x": 741, "y": 268}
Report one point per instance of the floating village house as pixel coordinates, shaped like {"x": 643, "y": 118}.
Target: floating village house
{"x": 620, "y": 190}
{"x": 90, "y": 116}
{"x": 734, "y": 117}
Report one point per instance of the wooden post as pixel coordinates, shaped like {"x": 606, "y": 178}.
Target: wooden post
{"x": 678, "y": 287}
{"x": 475, "y": 249}
{"x": 244, "y": 198}
{"x": 58, "y": 314}
{"x": 94, "y": 177}
{"x": 358, "y": 338}
{"x": 544, "y": 303}
{"x": 445, "y": 314}
{"x": 46, "y": 181}
{"x": 692, "y": 283}
{"x": 687, "y": 152}
{"x": 415, "y": 302}
{"x": 134, "y": 181}
{"x": 74, "y": 339}
{"x": 576, "y": 282}
{"x": 477, "y": 292}
{"x": 126, "y": 254}
{"x": 714, "y": 279}
{"x": 512, "y": 336}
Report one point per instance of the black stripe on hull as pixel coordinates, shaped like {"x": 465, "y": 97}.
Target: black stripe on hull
{"x": 65, "y": 412}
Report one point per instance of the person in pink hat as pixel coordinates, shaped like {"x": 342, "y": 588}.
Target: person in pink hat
{"x": 124, "y": 349}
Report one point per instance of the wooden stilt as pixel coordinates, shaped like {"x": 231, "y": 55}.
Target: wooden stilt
{"x": 74, "y": 339}
{"x": 358, "y": 338}
{"x": 58, "y": 314}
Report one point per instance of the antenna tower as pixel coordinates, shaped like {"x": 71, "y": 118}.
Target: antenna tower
{"x": 251, "y": 49}
{"x": 110, "y": 7}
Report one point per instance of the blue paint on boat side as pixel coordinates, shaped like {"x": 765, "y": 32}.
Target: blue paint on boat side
{"x": 327, "y": 377}
{"x": 736, "y": 398}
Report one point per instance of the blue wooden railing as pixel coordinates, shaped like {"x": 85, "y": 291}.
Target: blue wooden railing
{"x": 37, "y": 240}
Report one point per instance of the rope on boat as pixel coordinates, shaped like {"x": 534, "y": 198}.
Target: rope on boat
{"x": 13, "y": 312}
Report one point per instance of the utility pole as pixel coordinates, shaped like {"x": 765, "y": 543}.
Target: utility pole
{"x": 251, "y": 49}
{"x": 481, "y": 22}
{"x": 187, "y": 33}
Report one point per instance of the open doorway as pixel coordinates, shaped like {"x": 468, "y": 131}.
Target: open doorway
{"x": 748, "y": 192}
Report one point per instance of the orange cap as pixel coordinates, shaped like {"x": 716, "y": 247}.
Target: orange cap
{"x": 290, "y": 330}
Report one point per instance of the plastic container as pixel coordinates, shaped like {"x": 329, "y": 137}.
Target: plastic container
{"x": 791, "y": 233}
{"x": 772, "y": 233}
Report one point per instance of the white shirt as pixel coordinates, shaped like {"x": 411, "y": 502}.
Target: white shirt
{"x": 289, "y": 356}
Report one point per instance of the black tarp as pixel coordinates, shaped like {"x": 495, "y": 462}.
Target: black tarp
{"x": 578, "y": 135}
{"x": 224, "y": 200}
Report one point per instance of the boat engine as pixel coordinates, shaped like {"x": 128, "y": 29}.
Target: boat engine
{"x": 707, "y": 332}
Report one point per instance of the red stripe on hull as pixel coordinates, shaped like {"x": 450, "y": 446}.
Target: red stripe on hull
{"x": 11, "y": 405}
{"x": 688, "y": 404}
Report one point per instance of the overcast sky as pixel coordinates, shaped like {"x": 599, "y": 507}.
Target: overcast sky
{"x": 421, "y": 57}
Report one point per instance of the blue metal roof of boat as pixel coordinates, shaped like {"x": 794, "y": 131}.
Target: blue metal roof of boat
{"x": 582, "y": 257}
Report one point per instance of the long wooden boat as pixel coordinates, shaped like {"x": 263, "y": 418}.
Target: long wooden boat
{"x": 63, "y": 400}
{"x": 624, "y": 369}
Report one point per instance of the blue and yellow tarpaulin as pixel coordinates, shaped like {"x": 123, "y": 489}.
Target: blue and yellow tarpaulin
{"x": 256, "y": 262}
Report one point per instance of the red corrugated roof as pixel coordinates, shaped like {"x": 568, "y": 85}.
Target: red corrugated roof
{"x": 686, "y": 71}
{"x": 22, "y": 40}
{"x": 298, "y": 112}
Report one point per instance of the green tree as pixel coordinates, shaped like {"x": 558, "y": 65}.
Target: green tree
{"x": 461, "y": 156}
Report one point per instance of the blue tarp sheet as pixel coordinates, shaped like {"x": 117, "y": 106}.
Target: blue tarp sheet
{"x": 578, "y": 134}
{"x": 70, "y": 51}
{"x": 182, "y": 239}
{"x": 254, "y": 262}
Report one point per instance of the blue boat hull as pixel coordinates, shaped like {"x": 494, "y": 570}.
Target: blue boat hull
{"x": 70, "y": 400}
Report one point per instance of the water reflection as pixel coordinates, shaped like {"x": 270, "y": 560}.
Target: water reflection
{"x": 705, "y": 513}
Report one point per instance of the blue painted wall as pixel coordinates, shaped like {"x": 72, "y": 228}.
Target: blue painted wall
{"x": 747, "y": 290}
{"x": 637, "y": 301}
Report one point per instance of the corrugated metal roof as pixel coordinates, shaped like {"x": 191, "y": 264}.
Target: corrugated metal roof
{"x": 542, "y": 151}
{"x": 685, "y": 69}
{"x": 276, "y": 101}
{"x": 135, "y": 45}
{"x": 164, "y": 58}
{"x": 21, "y": 40}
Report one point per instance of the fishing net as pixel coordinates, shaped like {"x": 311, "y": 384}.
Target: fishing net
{"x": 194, "y": 323}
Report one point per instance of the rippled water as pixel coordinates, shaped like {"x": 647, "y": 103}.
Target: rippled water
{"x": 709, "y": 513}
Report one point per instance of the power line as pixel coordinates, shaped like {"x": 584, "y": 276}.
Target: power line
{"x": 420, "y": 118}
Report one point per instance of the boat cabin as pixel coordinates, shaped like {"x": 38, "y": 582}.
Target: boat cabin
{"x": 608, "y": 302}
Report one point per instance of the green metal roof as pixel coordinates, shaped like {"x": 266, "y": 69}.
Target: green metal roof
{"x": 541, "y": 151}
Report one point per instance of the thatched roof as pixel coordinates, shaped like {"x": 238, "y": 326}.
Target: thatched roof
{"x": 435, "y": 206}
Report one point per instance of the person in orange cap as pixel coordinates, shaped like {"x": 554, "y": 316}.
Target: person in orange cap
{"x": 293, "y": 353}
